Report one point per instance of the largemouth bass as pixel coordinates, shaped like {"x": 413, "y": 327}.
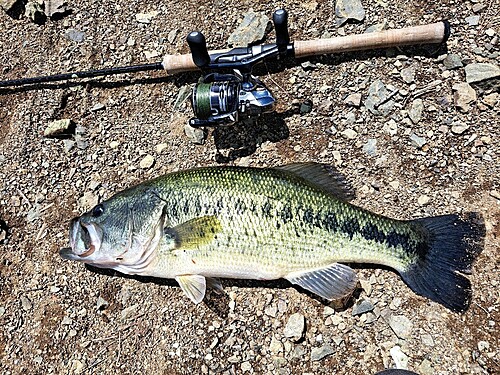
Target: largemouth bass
{"x": 292, "y": 222}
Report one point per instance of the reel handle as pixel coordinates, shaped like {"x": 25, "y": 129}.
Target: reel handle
{"x": 434, "y": 33}
{"x": 280, "y": 20}
{"x": 198, "y": 45}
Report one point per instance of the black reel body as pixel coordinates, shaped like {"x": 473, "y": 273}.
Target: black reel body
{"x": 222, "y": 99}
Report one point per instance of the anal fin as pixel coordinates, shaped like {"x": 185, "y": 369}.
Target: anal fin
{"x": 194, "y": 286}
{"x": 332, "y": 282}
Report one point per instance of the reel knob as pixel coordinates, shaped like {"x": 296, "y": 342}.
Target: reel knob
{"x": 280, "y": 20}
{"x": 198, "y": 47}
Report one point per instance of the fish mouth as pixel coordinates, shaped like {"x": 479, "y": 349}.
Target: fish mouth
{"x": 87, "y": 234}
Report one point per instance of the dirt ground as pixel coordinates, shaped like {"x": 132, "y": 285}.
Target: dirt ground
{"x": 61, "y": 317}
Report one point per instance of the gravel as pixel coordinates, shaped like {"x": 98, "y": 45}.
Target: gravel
{"x": 362, "y": 109}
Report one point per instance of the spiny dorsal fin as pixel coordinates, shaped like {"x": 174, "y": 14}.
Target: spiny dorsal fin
{"x": 194, "y": 232}
{"x": 194, "y": 286}
{"x": 324, "y": 176}
{"x": 332, "y": 282}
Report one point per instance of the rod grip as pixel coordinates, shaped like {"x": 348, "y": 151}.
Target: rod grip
{"x": 425, "y": 34}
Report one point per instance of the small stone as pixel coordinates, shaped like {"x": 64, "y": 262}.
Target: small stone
{"x": 476, "y": 8}
{"x": 114, "y": 144}
{"x": 151, "y": 54}
{"x": 246, "y": 367}
{"x": 417, "y": 141}
{"x": 349, "y": 9}
{"x": 307, "y": 65}
{"x": 480, "y": 72}
{"x": 8, "y": 4}
{"x": 400, "y": 358}
{"x": 75, "y": 35}
{"x": 34, "y": 11}
{"x": 377, "y": 101}
{"x": 495, "y": 194}
{"x": 491, "y": 100}
{"x": 54, "y": 289}
{"x": 76, "y": 367}
{"x": 452, "y": 61}
{"x": 361, "y": 307}
{"x": 68, "y": 144}
{"x": 483, "y": 346}
{"x": 349, "y": 133}
{"x": 129, "y": 312}
{"x": 276, "y": 346}
{"x": 401, "y": 326}
{"x": 295, "y": 327}
{"x": 425, "y": 368}
{"x": 305, "y": 107}
{"x": 459, "y": 128}
{"x": 2, "y": 311}
{"x": 415, "y": 112}
{"x": 464, "y": 95}
{"x": 408, "y": 75}
{"x": 57, "y": 128}
{"x": 195, "y": 135}
{"x": 391, "y": 127}
{"x": 377, "y": 27}
{"x": 26, "y": 303}
{"x": 472, "y": 20}
{"x": 101, "y": 304}
{"x": 97, "y": 107}
{"x": 370, "y": 147}
{"x": 88, "y": 200}
{"x": 145, "y": 18}
{"x": 353, "y": 100}
{"x": 161, "y": 147}
{"x": 147, "y": 162}
{"x": 67, "y": 321}
{"x": 327, "y": 311}
{"x": 490, "y": 32}
{"x": 423, "y": 200}
{"x": 321, "y": 352}
{"x": 251, "y": 30}
{"x": 172, "y": 35}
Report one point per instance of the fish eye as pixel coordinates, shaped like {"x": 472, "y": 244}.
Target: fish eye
{"x": 98, "y": 210}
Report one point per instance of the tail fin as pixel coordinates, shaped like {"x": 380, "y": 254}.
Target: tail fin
{"x": 453, "y": 244}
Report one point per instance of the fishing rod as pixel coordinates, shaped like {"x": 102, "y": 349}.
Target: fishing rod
{"x": 228, "y": 91}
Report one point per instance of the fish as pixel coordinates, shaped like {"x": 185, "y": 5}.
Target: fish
{"x": 293, "y": 222}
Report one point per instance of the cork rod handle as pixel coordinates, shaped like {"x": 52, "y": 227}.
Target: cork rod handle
{"x": 425, "y": 34}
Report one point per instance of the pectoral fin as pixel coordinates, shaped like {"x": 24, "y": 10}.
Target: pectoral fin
{"x": 332, "y": 282}
{"x": 194, "y": 232}
{"x": 194, "y": 286}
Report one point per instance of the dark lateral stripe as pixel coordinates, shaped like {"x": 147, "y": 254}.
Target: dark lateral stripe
{"x": 371, "y": 232}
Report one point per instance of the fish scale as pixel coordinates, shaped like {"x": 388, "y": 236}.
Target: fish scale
{"x": 293, "y": 222}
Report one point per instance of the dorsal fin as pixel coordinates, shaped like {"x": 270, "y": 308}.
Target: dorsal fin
{"x": 323, "y": 175}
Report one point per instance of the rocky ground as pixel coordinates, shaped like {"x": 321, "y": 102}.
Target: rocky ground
{"x": 409, "y": 127}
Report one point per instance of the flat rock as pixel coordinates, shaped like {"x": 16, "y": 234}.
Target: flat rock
{"x": 401, "y": 326}
{"x": 408, "y": 75}
{"x": 400, "y": 358}
{"x": 377, "y": 100}
{"x": 57, "y": 127}
{"x": 472, "y": 20}
{"x": 353, "y": 100}
{"x": 362, "y": 306}
{"x": 423, "y": 200}
{"x": 295, "y": 327}
{"x": 195, "y": 135}
{"x": 251, "y": 30}
{"x": 349, "y": 10}
{"x": 481, "y": 71}
{"x": 75, "y": 35}
{"x": 416, "y": 110}
{"x": 370, "y": 147}
{"x": 464, "y": 95}
{"x": 417, "y": 141}
{"x": 318, "y": 354}
{"x": 350, "y": 133}
{"x": 145, "y": 18}
{"x": 459, "y": 128}
{"x": 452, "y": 61}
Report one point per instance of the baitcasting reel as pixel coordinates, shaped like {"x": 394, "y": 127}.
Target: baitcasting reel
{"x": 223, "y": 99}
